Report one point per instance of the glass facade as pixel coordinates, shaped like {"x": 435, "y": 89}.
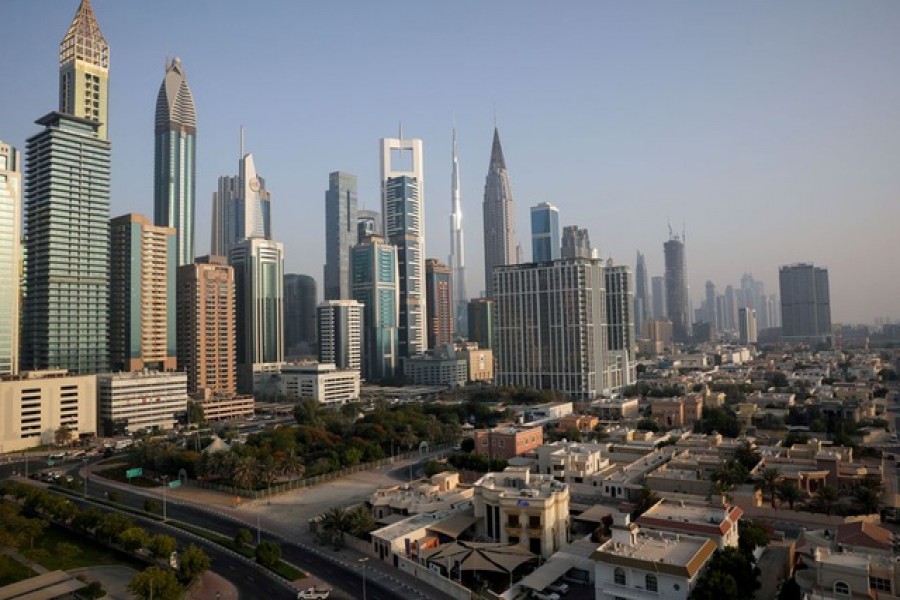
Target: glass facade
{"x": 10, "y": 217}
{"x": 374, "y": 280}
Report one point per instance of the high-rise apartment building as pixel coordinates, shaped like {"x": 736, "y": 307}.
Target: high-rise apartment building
{"x": 676, "y": 289}
{"x": 731, "y": 307}
{"x": 340, "y": 334}
{"x": 376, "y": 285}
{"x": 658, "y": 286}
{"x": 805, "y": 302}
{"x": 457, "y": 261}
{"x": 241, "y": 208}
{"x": 747, "y": 325}
{"x": 84, "y": 70}
{"x": 545, "y": 243}
{"x": 642, "y": 307}
{"x": 259, "y": 283}
{"x": 403, "y": 208}
{"x": 341, "y": 231}
{"x": 175, "y": 160}
{"x": 499, "y": 216}
{"x": 65, "y": 322}
{"x": 142, "y": 309}
{"x": 300, "y": 302}
{"x": 550, "y": 327}
{"x": 576, "y": 243}
{"x": 481, "y": 322}
{"x": 620, "y": 371}
{"x": 710, "y": 312}
{"x": 10, "y": 257}
{"x": 207, "y": 340}
{"x": 439, "y": 304}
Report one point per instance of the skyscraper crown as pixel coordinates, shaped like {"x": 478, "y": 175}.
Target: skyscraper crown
{"x": 497, "y": 161}
{"x": 175, "y": 104}
{"x": 84, "y": 40}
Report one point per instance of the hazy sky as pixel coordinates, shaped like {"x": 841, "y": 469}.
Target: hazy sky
{"x": 770, "y": 128}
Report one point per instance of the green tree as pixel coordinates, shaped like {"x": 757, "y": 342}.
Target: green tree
{"x": 646, "y": 498}
{"x": 65, "y": 552}
{"x": 151, "y": 505}
{"x": 306, "y": 411}
{"x": 467, "y": 445}
{"x": 111, "y": 525}
{"x": 193, "y": 563}
{"x": 335, "y": 522}
{"x": 269, "y": 472}
{"x": 753, "y": 534}
{"x": 268, "y": 554}
{"x": 730, "y": 575}
{"x": 243, "y": 537}
{"x": 767, "y": 481}
{"x": 361, "y": 521}
{"x": 788, "y": 492}
{"x": 154, "y": 583}
{"x": 790, "y": 590}
{"x": 62, "y": 436}
{"x": 868, "y": 497}
{"x": 292, "y": 465}
{"x": 93, "y": 590}
{"x": 827, "y": 499}
{"x": 195, "y": 414}
{"x": 245, "y": 471}
{"x": 161, "y": 546}
{"x": 134, "y": 538}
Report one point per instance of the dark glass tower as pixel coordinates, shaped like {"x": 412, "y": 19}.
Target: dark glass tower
{"x": 300, "y": 301}
{"x": 341, "y": 231}
{"x": 676, "y": 289}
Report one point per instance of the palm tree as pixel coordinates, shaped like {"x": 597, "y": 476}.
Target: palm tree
{"x": 291, "y": 465}
{"x": 788, "y": 492}
{"x": 361, "y": 521}
{"x": 767, "y": 481}
{"x": 827, "y": 498}
{"x": 268, "y": 473}
{"x": 646, "y": 498}
{"x": 336, "y": 521}
{"x": 244, "y": 472}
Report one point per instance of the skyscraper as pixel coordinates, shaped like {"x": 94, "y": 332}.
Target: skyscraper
{"x": 142, "y": 295}
{"x": 550, "y": 327}
{"x": 747, "y": 325}
{"x": 259, "y": 282}
{"x": 457, "y": 260}
{"x": 545, "y": 244}
{"x": 206, "y": 328}
{"x": 403, "y": 201}
{"x": 676, "y": 289}
{"x": 711, "y": 315}
{"x": 368, "y": 222}
{"x": 576, "y": 243}
{"x": 241, "y": 208}
{"x": 499, "y": 216}
{"x": 642, "y": 305}
{"x": 658, "y": 284}
{"x": 341, "y": 231}
{"x": 805, "y": 302}
{"x": 481, "y": 322}
{"x": 439, "y": 303}
{"x": 84, "y": 70}
{"x": 10, "y": 246}
{"x": 175, "y": 162}
{"x": 300, "y": 302}
{"x": 340, "y": 333}
{"x": 731, "y": 308}
{"x": 375, "y": 285}
{"x": 620, "y": 369}
{"x": 65, "y": 320}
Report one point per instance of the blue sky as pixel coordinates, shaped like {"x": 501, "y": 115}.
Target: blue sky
{"x": 770, "y": 129}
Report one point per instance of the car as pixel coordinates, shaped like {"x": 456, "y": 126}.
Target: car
{"x": 318, "y": 592}
{"x": 559, "y": 587}
{"x": 544, "y": 596}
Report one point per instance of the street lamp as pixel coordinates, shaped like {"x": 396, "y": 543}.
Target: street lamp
{"x": 363, "y": 562}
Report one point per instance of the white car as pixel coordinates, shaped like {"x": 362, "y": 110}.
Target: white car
{"x": 314, "y": 593}
{"x": 560, "y": 588}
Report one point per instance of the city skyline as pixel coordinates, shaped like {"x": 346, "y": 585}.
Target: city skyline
{"x": 686, "y": 113}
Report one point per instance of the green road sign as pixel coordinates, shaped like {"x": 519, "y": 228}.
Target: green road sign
{"x": 130, "y": 473}
{"x": 175, "y": 483}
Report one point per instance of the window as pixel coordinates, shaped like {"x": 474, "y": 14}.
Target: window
{"x": 841, "y": 588}
{"x": 650, "y": 583}
{"x": 879, "y": 584}
{"x": 619, "y": 576}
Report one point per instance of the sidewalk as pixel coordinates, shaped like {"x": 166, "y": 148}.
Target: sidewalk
{"x": 213, "y": 587}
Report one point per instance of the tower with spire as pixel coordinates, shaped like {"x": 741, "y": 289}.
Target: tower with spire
{"x": 175, "y": 160}
{"x": 84, "y": 70}
{"x": 457, "y": 260}
{"x": 499, "y": 216}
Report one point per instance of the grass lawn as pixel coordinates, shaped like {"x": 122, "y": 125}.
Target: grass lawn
{"x": 58, "y": 548}
{"x": 12, "y": 570}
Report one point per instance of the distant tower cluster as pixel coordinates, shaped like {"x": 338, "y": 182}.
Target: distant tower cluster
{"x": 499, "y": 216}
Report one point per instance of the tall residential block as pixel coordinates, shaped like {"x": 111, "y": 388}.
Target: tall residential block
{"x": 620, "y": 327}
{"x": 439, "y": 294}
{"x": 375, "y": 280}
{"x": 805, "y": 302}
{"x": 457, "y": 259}
{"x": 576, "y": 243}
{"x": 175, "y": 159}
{"x": 341, "y": 234}
{"x": 499, "y": 216}
{"x": 65, "y": 322}
{"x": 481, "y": 322}
{"x": 550, "y": 327}
{"x": 658, "y": 286}
{"x": 747, "y": 325}
{"x": 545, "y": 243}
{"x": 241, "y": 208}
{"x": 142, "y": 309}
{"x": 10, "y": 257}
{"x": 300, "y": 301}
{"x": 642, "y": 307}
{"x": 340, "y": 334}
{"x": 84, "y": 70}
{"x": 710, "y": 315}
{"x": 207, "y": 343}
{"x": 676, "y": 289}
{"x": 403, "y": 209}
{"x": 259, "y": 283}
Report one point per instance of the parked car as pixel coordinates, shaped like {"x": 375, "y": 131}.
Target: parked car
{"x": 544, "y": 596}
{"x": 559, "y": 587}
{"x": 314, "y": 593}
